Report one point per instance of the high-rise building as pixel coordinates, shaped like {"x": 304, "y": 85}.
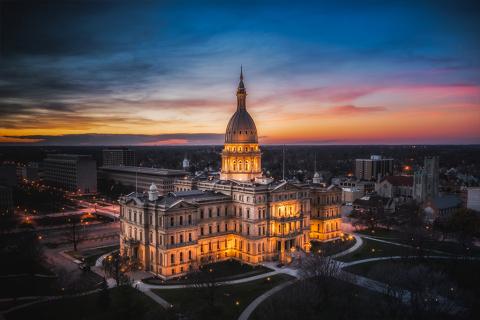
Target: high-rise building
{"x": 72, "y": 172}
{"x": 426, "y": 180}
{"x": 374, "y": 168}
{"x": 8, "y": 175}
{"x": 118, "y": 157}
{"x": 242, "y": 215}
{"x": 6, "y": 201}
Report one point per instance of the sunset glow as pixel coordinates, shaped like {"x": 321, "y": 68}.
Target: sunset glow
{"x": 169, "y": 76}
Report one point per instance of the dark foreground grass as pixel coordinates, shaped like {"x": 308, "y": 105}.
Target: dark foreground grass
{"x": 121, "y": 303}
{"x": 375, "y": 249}
{"x": 229, "y": 300}
{"x": 223, "y": 271}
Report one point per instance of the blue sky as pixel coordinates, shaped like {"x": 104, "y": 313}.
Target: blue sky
{"x": 316, "y": 72}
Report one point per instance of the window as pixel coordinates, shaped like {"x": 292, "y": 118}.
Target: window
{"x": 226, "y": 227}
{"x": 248, "y": 213}
{"x": 172, "y": 221}
{"x": 218, "y": 212}
{"x": 172, "y": 259}
{"x": 181, "y": 257}
{"x": 189, "y": 219}
{"x": 172, "y": 240}
{"x": 201, "y": 231}
{"x": 189, "y": 255}
{"x": 218, "y": 228}
{"x": 181, "y": 220}
{"x": 209, "y": 212}
{"x": 189, "y": 237}
{"x": 209, "y": 229}
{"x": 181, "y": 238}
{"x": 201, "y": 214}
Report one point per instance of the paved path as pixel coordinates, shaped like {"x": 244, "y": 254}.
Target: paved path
{"x": 358, "y": 244}
{"x": 247, "y": 312}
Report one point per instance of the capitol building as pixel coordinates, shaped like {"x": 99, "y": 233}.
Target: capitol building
{"x": 241, "y": 215}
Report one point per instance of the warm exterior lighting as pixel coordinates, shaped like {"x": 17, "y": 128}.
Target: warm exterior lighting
{"x": 237, "y": 303}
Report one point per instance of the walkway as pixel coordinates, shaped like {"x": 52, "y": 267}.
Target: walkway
{"x": 255, "y": 303}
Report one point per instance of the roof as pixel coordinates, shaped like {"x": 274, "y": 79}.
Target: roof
{"x": 405, "y": 181}
{"x": 446, "y": 201}
{"x": 145, "y": 170}
{"x": 241, "y": 128}
{"x": 171, "y": 199}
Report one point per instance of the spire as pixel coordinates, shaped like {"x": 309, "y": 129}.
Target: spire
{"x": 241, "y": 92}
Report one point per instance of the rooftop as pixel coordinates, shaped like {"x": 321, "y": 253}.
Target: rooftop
{"x": 145, "y": 170}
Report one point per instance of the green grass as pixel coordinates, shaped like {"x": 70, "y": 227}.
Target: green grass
{"x": 125, "y": 303}
{"x": 194, "y": 300}
{"x": 90, "y": 256}
{"x": 375, "y": 249}
{"x": 403, "y": 237}
{"x": 224, "y": 271}
{"x": 332, "y": 247}
{"x": 343, "y": 300}
{"x": 462, "y": 272}
{"x": 27, "y": 286}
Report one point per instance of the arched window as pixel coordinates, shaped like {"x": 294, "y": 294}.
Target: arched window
{"x": 239, "y": 165}
{"x": 246, "y": 166}
{"x": 234, "y": 166}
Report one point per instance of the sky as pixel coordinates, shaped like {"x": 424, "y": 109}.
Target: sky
{"x": 166, "y": 72}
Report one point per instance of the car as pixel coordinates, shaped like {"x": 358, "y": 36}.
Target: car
{"x": 84, "y": 267}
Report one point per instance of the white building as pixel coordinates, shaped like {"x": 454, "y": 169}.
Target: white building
{"x": 473, "y": 198}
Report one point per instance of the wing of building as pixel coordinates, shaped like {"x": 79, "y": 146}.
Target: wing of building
{"x": 243, "y": 215}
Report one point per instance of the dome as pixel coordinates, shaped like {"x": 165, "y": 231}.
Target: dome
{"x": 241, "y": 128}
{"x": 316, "y": 175}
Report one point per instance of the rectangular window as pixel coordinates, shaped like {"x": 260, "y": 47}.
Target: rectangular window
{"x": 172, "y": 221}
{"x": 201, "y": 231}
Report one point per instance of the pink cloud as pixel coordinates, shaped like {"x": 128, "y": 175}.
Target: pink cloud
{"x": 353, "y": 110}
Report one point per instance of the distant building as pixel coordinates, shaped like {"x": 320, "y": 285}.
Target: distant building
{"x": 325, "y": 219}
{"x": 365, "y": 187}
{"x": 473, "y": 198}
{"x": 30, "y": 172}
{"x": 399, "y": 188}
{"x": 375, "y": 204}
{"x": 426, "y": 180}
{"x": 185, "y": 164}
{"x": 141, "y": 178}
{"x": 373, "y": 168}
{"x": 72, "y": 172}
{"x": 6, "y": 200}
{"x": 350, "y": 194}
{"x": 440, "y": 207}
{"x": 8, "y": 175}
{"x": 118, "y": 157}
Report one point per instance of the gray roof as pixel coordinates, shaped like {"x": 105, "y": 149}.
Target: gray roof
{"x": 446, "y": 201}
{"x": 145, "y": 170}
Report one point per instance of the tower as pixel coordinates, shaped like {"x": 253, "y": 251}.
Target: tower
{"x": 241, "y": 156}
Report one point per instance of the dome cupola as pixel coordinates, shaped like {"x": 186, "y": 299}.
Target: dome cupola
{"x": 241, "y": 127}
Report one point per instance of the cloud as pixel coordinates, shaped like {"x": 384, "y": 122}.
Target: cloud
{"x": 115, "y": 139}
{"x": 348, "y": 110}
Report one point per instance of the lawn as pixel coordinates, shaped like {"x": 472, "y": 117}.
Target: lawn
{"x": 224, "y": 270}
{"x": 460, "y": 277}
{"x": 121, "y": 303}
{"x": 460, "y": 271}
{"x": 90, "y": 256}
{"x": 343, "y": 301}
{"x": 229, "y": 300}
{"x": 402, "y": 237}
{"x": 332, "y": 247}
{"x": 375, "y": 249}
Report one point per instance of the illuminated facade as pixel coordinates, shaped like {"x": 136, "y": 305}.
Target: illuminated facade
{"x": 242, "y": 215}
{"x": 241, "y": 156}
